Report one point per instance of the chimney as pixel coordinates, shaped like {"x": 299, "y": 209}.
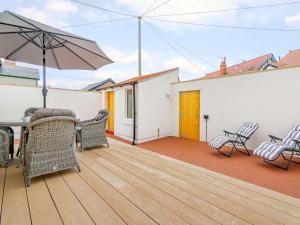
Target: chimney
{"x": 223, "y": 67}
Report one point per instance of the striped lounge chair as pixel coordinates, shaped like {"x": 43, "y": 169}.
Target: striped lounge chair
{"x": 271, "y": 150}
{"x": 235, "y": 139}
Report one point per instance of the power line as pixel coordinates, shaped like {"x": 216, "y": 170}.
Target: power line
{"x": 160, "y": 5}
{"x": 179, "y": 44}
{"x": 227, "y": 26}
{"x": 149, "y": 7}
{"x": 101, "y": 8}
{"x": 227, "y": 10}
{"x": 172, "y": 46}
{"x": 94, "y": 23}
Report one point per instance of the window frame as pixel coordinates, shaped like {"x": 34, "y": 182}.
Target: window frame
{"x": 126, "y": 103}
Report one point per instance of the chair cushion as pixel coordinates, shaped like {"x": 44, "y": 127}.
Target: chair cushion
{"x": 46, "y": 112}
{"x": 293, "y": 134}
{"x": 30, "y": 111}
{"x": 219, "y": 141}
{"x": 102, "y": 114}
{"x": 248, "y": 129}
{"x": 270, "y": 151}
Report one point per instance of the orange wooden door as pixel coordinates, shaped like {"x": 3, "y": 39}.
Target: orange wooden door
{"x": 110, "y": 99}
{"x": 189, "y": 115}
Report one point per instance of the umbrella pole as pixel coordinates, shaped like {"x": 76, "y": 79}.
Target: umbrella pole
{"x": 44, "y": 91}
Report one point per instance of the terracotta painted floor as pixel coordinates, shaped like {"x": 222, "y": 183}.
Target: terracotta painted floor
{"x": 250, "y": 169}
{"x": 118, "y": 138}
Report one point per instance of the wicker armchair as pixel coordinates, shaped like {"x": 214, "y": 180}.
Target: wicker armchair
{"x": 91, "y": 133}
{"x": 28, "y": 112}
{"x": 4, "y": 147}
{"x": 49, "y": 143}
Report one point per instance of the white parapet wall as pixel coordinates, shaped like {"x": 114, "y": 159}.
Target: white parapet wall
{"x": 15, "y": 99}
{"x": 270, "y": 98}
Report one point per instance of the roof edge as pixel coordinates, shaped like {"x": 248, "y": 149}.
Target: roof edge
{"x": 152, "y": 75}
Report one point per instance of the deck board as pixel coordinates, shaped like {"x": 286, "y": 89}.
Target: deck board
{"x": 42, "y": 208}
{"x": 158, "y": 213}
{"x": 72, "y": 212}
{"x": 15, "y": 205}
{"x": 128, "y": 185}
{"x": 198, "y": 204}
{"x": 211, "y": 175}
{"x": 129, "y": 212}
{"x": 2, "y": 182}
{"x": 242, "y": 206}
{"x": 182, "y": 210}
{"x": 204, "y": 191}
{"x": 273, "y": 199}
{"x": 92, "y": 202}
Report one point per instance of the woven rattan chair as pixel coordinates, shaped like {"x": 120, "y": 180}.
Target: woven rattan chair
{"x": 28, "y": 112}
{"x": 91, "y": 133}
{"x": 49, "y": 143}
{"x": 4, "y": 147}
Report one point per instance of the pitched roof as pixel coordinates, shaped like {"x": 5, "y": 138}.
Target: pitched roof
{"x": 289, "y": 60}
{"x": 18, "y": 71}
{"x": 141, "y": 78}
{"x": 249, "y": 65}
{"x": 98, "y": 84}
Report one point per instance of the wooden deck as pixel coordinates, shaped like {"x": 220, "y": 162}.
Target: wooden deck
{"x": 129, "y": 185}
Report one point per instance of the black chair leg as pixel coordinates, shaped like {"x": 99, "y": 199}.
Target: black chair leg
{"x": 287, "y": 166}
{"x": 247, "y": 151}
{"x": 228, "y": 154}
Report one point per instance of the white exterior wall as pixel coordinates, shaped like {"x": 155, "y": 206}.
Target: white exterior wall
{"x": 152, "y": 108}
{"x": 122, "y": 125}
{"x": 15, "y": 99}
{"x": 270, "y": 98}
{"x": 17, "y": 81}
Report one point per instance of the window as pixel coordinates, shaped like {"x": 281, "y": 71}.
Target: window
{"x": 129, "y": 104}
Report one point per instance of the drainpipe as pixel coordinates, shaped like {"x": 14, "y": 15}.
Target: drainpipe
{"x": 134, "y": 112}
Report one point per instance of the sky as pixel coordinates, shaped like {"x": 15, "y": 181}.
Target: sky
{"x": 199, "y": 49}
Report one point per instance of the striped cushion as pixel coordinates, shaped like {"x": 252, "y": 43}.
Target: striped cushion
{"x": 293, "y": 134}
{"x": 248, "y": 129}
{"x": 219, "y": 141}
{"x": 270, "y": 151}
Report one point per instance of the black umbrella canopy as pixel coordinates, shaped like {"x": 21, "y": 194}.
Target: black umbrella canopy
{"x": 29, "y": 41}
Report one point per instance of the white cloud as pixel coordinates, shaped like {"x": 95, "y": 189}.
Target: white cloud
{"x": 116, "y": 75}
{"x": 179, "y": 6}
{"x": 185, "y": 65}
{"x": 42, "y": 16}
{"x": 122, "y": 57}
{"x": 295, "y": 19}
{"x": 68, "y": 83}
{"x": 61, "y": 6}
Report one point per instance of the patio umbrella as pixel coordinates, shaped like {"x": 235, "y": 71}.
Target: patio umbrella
{"x": 29, "y": 41}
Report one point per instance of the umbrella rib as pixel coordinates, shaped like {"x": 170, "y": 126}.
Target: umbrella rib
{"x": 52, "y": 50}
{"x": 12, "y": 25}
{"x": 29, "y": 39}
{"x": 75, "y": 53}
{"x": 85, "y": 49}
{"x": 23, "y": 45}
{"x": 17, "y": 32}
{"x": 71, "y": 36}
